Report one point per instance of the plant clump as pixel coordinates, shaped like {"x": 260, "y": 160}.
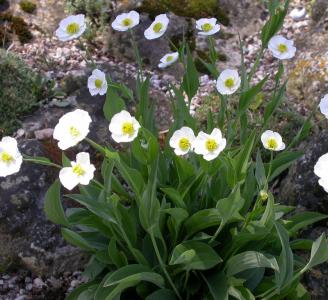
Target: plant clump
{"x": 21, "y": 90}
{"x": 27, "y": 6}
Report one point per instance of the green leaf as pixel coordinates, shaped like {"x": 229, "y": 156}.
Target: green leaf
{"x": 77, "y": 293}
{"x": 195, "y": 255}
{"x": 229, "y": 207}
{"x": 76, "y": 239}
{"x": 53, "y": 207}
{"x": 300, "y": 293}
{"x": 202, "y": 219}
{"x": 113, "y": 104}
{"x": 260, "y": 171}
{"x": 319, "y": 252}
{"x": 301, "y": 220}
{"x": 241, "y": 293}
{"x": 190, "y": 82}
{"x": 286, "y": 259}
{"x": 175, "y": 196}
{"x": 249, "y": 260}
{"x": 163, "y": 294}
{"x": 39, "y": 160}
{"x": 218, "y": 285}
{"x": 247, "y": 97}
{"x": 282, "y": 162}
{"x": 118, "y": 257}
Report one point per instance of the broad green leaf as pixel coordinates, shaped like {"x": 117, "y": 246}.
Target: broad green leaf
{"x": 113, "y": 104}
{"x": 300, "y": 293}
{"x": 249, "y": 260}
{"x": 76, "y": 239}
{"x": 163, "y": 294}
{"x": 241, "y": 293}
{"x": 260, "y": 171}
{"x": 218, "y": 285}
{"x": 229, "y": 207}
{"x": 195, "y": 255}
{"x": 175, "y": 196}
{"x": 53, "y": 207}
{"x": 201, "y": 220}
{"x": 319, "y": 252}
{"x": 301, "y": 244}
{"x": 286, "y": 259}
{"x": 85, "y": 287}
{"x": 301, "y": 220}
{"x": 282, "y": 162}
{"x": 118, "y": 257}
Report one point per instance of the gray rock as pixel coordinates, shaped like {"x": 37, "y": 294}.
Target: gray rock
{"x": 319, "y": 10}
{"x": 300, "y": 187}
{"x": 27, "y": 238}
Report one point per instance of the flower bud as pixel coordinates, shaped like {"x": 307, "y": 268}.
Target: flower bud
{"x": 263, "y": 195}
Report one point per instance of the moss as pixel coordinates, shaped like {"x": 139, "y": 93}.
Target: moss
{"x": 17, "y": 26}
{"x": 21, "y": 91}
{"x": 27, "y": 6}
{"x": 187, "y": 8}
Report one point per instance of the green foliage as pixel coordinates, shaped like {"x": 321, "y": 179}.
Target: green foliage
{"x": 27, "y": 6}
{"x": 161, "y": 226}
{"x": 21, "y": 90}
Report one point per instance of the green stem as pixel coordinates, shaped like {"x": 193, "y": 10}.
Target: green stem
{"x": 40, "y": 162}
{"x": 96, "y": 146}
{"x": 158, "y": 255}
{"x": 270, "y": 166}
{"x": 137, "y": 54}
{"x": 217, "y": 233}
{"x": 256, "y": 64}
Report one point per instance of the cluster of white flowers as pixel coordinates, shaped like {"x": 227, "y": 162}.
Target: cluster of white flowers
{"x": 209, "y": 146}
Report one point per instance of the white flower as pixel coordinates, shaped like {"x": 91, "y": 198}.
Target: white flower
{"x": 272, "y": 141}
{"x": 228, "y": 82}
{"x": 126, "y": 21}
{"x": 71, "y": 28}
{"x": 97, "y": 83}
{"x": 182, "y": 140}
{"x": 124, "y": 127}
{"x": 282, "y": 48}
{"x": 209, "y": 145}
{"x": 168, "y": 59}
{"x": 324, "y": 106}
{"x": 157, "y": 28}
{"x": 72, "y": 128}
{"x": 80, "y": 172}
{"x": 207, "y": 26}
{"x": 321, "y": 170}
{"x": 10, "y": 157}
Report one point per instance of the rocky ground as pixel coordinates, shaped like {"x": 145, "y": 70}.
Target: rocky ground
{"x": 43, "y": 251}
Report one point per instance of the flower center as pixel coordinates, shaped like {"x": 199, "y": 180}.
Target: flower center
{"x": 229, "y": 83}
{"x": 207, "y": 27}
{"x": 78, "y": 170}
{"x": 73, "y": 28}
{"x": 74, "y": 132}
{"x": 98, "y": 83}
{"x": 127, "y": 22}
{"x": 211, "y": 145}
{"x": 127, "y": 128}
{"x": 6, "y": 157}
{"x": 169, "y": 58}
{"x": 282, "y": 48}
{"x": 184, "y": 144}
{"x": 158, "y": 27}
{"x": 272, "y": 144}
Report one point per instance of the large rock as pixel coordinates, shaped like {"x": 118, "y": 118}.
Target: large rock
{"x": 300, "y": 187}
{"x": 26, "y": 237}
{"x": 319, "y": 10}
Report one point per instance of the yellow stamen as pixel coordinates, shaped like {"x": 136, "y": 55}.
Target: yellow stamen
{"x": 282, "y": 48}
{"x": 229, "y": 83}
{"x": 211, "y": 145}
{"x": 207, "y": 27}
{"x": 184, "y": 144}
{"x": 78, "y": 170}
{"x": 73, "y": 28}
{"x": 169, "y": 58}
{"x": 158, "y": 27}
{"x": 74, "y": 132}
{"x": 127, "y": 22}
{"x": 6, "y": 157}
{"x": 98, "y": 83}
{"x": 127, "y": 128}
{"x": 272, "y": 144}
